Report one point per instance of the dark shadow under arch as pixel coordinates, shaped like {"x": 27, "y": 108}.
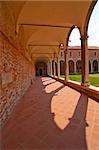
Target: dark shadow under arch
{"x": 89, "y": 66}
{"x": 41, "y": 68}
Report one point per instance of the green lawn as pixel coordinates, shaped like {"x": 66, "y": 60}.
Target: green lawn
{"x": 93, "y": 78}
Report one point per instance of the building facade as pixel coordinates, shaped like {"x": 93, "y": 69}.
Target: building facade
{"x": 74, "y": 57}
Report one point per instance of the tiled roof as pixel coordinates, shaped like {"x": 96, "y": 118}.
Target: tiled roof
{"x": 78, "y": 47}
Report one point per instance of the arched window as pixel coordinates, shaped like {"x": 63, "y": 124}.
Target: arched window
{"x": 71, "y": 67}
{"x": 62, "y": 67}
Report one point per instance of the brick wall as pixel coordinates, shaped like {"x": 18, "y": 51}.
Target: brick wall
{"x": 92, "y": 56}
{"x": 16, "y": 73}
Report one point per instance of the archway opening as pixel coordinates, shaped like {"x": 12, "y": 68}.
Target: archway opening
{"x": 93, "y": 41}
{"x": 56, "y": 70}
{"x": 74, "y": 44}
{"x": 95, "y": 66}
{"x": 93, "y": 26}
{"x": 78, "y": 66}
{"x": 41, "y": 69}
{"x": 52, "y": 67}
{"x": 89, "y": 66}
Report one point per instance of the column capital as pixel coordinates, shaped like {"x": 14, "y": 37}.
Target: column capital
{"x": 61, "y": 46}
{"x": 84, "y": 40}
{"x": 84, "y": 37}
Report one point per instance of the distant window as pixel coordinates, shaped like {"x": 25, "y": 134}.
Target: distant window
{"x": 71, "y": 54}
{"x": 78, "y": 54}
{"x": 94, "y": 53}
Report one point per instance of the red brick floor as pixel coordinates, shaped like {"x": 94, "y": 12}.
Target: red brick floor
{"x": 52, "y": 116}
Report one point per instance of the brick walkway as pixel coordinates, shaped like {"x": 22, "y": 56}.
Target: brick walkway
{"x": 52, "y": 116}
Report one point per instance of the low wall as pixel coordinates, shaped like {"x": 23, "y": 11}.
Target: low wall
{"x": 89, "y": 92}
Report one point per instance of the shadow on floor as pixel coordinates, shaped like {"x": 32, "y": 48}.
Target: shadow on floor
{"x": 32, "y": 124}
{"x": 49, "y": 83}
{"x": 74, "y": 134}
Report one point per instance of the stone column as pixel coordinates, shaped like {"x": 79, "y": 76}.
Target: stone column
{"x": 51, "y": 67}
{"x": 75, "y": 67}
{"x": 48, "y": 68}
{"x": 54, "y": 65}
{"x": 66, "y": 64}
{"x": 91, "y": 66}
{"x": 54, "y": 68}
{"x": 85, "y": 61}
{"x": 58, "y": 66}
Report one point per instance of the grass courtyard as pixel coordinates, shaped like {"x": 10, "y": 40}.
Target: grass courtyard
{"x": 93, "y": 78}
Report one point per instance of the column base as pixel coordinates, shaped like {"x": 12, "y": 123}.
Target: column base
{"x": 59, "y": 77}
{"x": 86, "y": 84}
{"x": 66, "y": 78}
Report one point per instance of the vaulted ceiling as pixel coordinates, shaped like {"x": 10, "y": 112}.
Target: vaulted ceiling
{"x": 46, "y": 24}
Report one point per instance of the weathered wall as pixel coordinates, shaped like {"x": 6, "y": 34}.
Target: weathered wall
{"x": 16, "y": 75}
{"x": 16, "y": 71}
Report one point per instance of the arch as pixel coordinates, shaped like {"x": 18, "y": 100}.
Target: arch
{"x": 89, "y": 66}
{"x": 69, "y": 33}
{"x": 93, "y": 23}
{"x": 78, "y": 66}
{"x": 88, "y": 16}
{"x": 62, "y": 67}
{"x": 95, "y": 66}
{"x": 41, "y": 68}
{"x": 71, "y": 66}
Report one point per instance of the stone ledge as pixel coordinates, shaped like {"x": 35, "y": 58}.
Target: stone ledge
{"x": 86, "y": 90}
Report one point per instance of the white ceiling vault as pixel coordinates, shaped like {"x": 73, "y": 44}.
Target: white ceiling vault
{"x": 47, "y": 23}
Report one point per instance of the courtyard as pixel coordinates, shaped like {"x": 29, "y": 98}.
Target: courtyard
{"x": 39, "y": 108}
{"x": 93, "y": 78}
{"x": 56, "y": 117}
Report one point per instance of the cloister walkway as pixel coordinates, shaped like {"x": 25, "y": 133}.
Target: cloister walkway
{"x": 52, "y": 116}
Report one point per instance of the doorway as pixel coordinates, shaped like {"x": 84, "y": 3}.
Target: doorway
{"x": 41, "y": 69}
{"x": 40, "y": 72}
